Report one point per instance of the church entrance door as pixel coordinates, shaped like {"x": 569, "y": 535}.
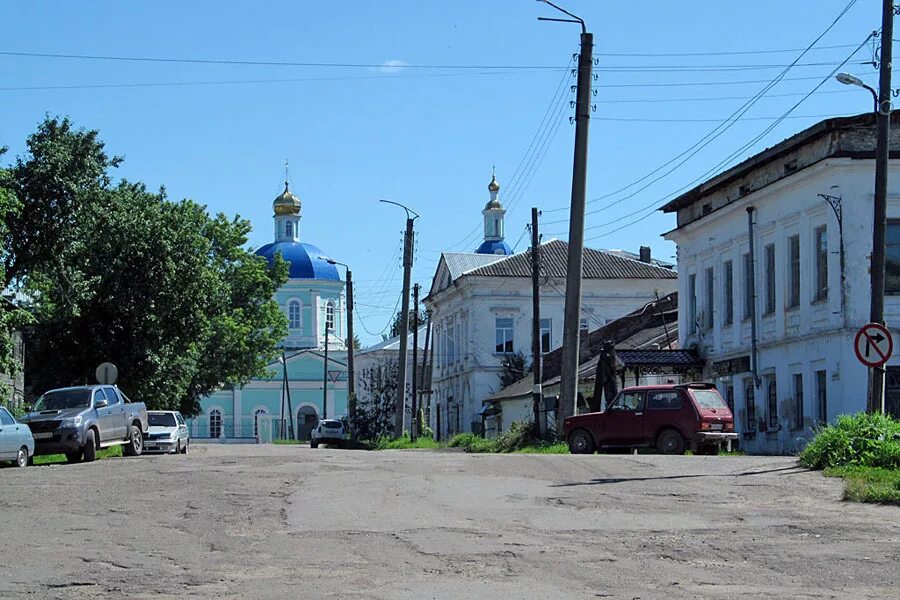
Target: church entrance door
{"x": 307, "y": 419}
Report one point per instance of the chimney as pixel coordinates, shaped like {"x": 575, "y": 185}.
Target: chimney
{"x": 645, "y": 254}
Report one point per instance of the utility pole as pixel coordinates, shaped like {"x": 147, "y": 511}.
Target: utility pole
{"x": 287, "y": 392}
{"x": 351, "y": 390}
{"x": 882, "y": 151}
{"x": 426, "y": 374}
{"x": 568, "y": 385}
{"x": 536, "y": 393}
{"x": 415, "y": 380}
{"x": 400, "y": 405}
{"x": 325, "y": 376}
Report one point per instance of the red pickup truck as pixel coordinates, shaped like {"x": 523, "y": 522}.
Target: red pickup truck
{"x": 669, "y": 418}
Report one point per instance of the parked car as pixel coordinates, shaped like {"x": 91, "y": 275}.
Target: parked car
{"x": 670, "y": 418}
{"x": 16, "y": 443}
{"x": 167, "y": 432}
{"x": 79, "y": 421}
{"x": 328, "y": 431}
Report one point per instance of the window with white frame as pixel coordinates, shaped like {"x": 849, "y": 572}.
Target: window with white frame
{"x": 820, "y": 238}
{"x": 692, "y": 303}
{"x": 728, "y": 292}
{"x": 710, "y": 298}
{"x": 294, "y": 321}
{"x": 451, "y": 344}
{"x": 892, "y": 257}
{"x": 290, "y": 230}
{"x": 821, "y": 397}
{"x": 748, "y": 285}
{"x": 770, "y": 279}
{"x": 793, "y": 271}
{"x": 798, "y": 401}
{"x": 329, "y": 315}
{"x": 772, "y": 401}
{"x": 215, "y": 423}
{"x": 503, "y": 335}
{"x": 546, "y": 333}
{"x": 750, "y": 404}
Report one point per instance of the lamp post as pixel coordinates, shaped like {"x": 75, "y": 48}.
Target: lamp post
{"x": 325, "y": 375}
{"x": 879, "y": 215}
{"x": 351, "y": 392}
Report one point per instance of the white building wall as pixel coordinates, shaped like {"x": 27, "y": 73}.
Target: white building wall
{"x": 816, "y": 335}
{"x": 467, "y": 368}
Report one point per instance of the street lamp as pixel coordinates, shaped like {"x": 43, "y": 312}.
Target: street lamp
{"x": 850, "y": 79}
{"x": 351, "y": 393}
{"x": 879, "y": 213}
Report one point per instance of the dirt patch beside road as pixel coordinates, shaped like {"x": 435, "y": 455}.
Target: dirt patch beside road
{"x": 281, "y": 521}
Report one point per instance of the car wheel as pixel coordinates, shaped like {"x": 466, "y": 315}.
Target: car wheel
{"x": 313, "y": 444}
{"x": 135, "y": 444}
{"x": 184, "y": 449}
{"x": 22, "y": 457}
{"x": 581, "y": 442}
{"x": 73, "y": 457}
{"x": 90, "y": 446}
{"x": 178, "y": 447}
{"x": 670, "y": 442}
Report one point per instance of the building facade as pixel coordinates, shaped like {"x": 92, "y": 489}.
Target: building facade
{"x": 805, "y": 208}
{"x": 481, "y": 306}
{"x": 313, "y": 302}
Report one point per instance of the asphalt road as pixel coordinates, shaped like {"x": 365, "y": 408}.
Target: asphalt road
{"x": 290, "y": 522}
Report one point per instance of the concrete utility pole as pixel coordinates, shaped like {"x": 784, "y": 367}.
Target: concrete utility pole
{"x": 882, "y": 151}
{"x": 400, "y": 405}
{"x": 413, "y": 421}
{"x": 426, "y": 374}
{"x": 536, "y": 393}
{"x": 568, "y": 385}
{"x": 287, "y": 393}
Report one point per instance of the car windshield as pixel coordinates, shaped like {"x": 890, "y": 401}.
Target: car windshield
{"x": 63, "y": 399}
{"x": 708, "y": 399}
{"x": 161, "y": 420}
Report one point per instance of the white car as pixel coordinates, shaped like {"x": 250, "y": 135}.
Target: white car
{"x": 167, "y": 432}
{"x": 328, "y": 431}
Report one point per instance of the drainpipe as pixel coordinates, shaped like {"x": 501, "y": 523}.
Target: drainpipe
{"x": 753, "y": 357}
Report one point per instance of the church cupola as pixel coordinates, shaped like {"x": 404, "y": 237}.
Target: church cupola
{"x": 287, "y": 216}
{"x": 493, "y": 223}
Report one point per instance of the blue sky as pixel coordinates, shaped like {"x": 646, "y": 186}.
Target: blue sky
{"x": 425, "y": 137}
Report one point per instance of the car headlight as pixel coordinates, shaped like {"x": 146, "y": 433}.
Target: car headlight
{"x": 72, "y": 421}
{"x": 173, "y": 435}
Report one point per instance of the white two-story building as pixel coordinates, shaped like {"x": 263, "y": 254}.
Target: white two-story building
{"x": 481, "y": 307}
{"x": 804, "y": 207}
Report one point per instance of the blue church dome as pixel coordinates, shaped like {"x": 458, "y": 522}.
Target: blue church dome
{"x": 494, "y": 247}
{"x": 303, "y": 258}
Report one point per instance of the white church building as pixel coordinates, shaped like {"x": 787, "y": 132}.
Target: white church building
{"x": 481, "y": 305}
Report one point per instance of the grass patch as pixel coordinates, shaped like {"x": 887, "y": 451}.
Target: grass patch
{"x": 289, "y": 442}
{"x": 547, "y": 448}
{"x": 53, "y": 459}
{"x": 869, "y": 484}
{"x": 404, "y": 443}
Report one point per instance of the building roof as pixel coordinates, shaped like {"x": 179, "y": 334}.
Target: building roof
{"x": 463, "y": 262}
{"x": 393, "y": 344}
{"x": 598, "y": 264}
{"x": 634, "y": 256}
{"x": 304, "y": 259}
{"x": 830, "y": 129}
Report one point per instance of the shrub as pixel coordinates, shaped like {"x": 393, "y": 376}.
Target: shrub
{"x": 520, "y": 435}
{"x": 862, "y": 440}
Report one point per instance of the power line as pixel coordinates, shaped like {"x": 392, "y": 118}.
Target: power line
{"x": 717, "y": 131}
{"x": 652, "y": 207}
{"x": 717, "y": 53}
{"x": 643, "y": 120}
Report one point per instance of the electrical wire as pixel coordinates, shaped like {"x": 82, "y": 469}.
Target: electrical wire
{"x": 717, "y": 131}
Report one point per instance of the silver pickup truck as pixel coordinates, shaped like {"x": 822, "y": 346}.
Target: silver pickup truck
{"x": 78, "y": 421}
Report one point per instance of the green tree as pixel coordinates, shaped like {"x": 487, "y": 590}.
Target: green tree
{"x": 396, "y": 323}
{"x": 162, "y": 289}
{"x": 513, "y": 369}
{"x": 374, "y": 415}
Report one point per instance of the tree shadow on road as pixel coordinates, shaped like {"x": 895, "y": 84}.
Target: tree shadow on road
{"x": 606, "y": 480}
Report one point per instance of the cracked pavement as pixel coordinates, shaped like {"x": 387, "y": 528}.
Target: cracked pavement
{"x": 280, "y": 521}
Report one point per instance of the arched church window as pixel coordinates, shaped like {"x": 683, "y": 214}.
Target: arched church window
{"x": 294, "y": 320}
{"x": 290, "y": 229}
{"x": 329, "y": 315}
{"x": 259, "y": 412}
{"x": 215, "y": 423}
{"x": 497, "y": 227}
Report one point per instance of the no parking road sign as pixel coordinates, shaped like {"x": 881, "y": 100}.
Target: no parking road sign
{"x": 873, "y": 345}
